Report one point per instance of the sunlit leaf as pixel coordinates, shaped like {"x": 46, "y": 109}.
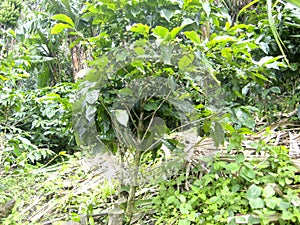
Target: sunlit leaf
{"x": 59, "y": 27}
{"x": 140, "y": 29}
{"x": 161, "y": 32}
{"x": 175, "y": 31}
{"x": 267, "y": 59}
{"x": 63, "y": 153}
{"x": 193, "y": 36}
{"x": 63, "y": 18}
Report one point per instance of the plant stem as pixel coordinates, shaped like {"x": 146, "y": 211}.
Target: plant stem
{"x": 136, "y": 165}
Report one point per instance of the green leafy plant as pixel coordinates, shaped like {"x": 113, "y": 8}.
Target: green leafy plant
{"x": 242, "y": 191}
{"x": 36, "y": 124}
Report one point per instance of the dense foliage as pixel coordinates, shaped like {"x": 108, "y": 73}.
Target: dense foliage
{"x": 156, "y": 70}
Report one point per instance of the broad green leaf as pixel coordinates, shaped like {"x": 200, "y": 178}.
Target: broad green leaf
{"x": 175, "y": 31}
{"x": 171, "y": 199}
{"x": 185, "y": 61}
{"x": 158, "y": 127}
{"x": 271, "y": 202}
{"x": 183, "y": 209}
{"x": 245, "y": 118}
{"x": 284, "y": 205}
{"x": 193, "y": 36}
{"x": 247, "y": 173}
{"x": 31, "y": 157}
{"x": 59, "y": 27}
{"x": 12, "y": 32}
{"x": 63, "y": 18}
{"x": 257, "y": 203}
{"x": 268, "y": 191}
{"x": 139, "y": 50}
{"x": 112, "y": 6}
{"x": 92, "y": 97}
{"x": 240, "y": 158}
{"x": 244, "y": 130}
{"x": 63, "y": 153}
{"x": 275, "y": 89}
{"x": 253, "y": 192}
{"x": 122, "y": 116}
{"x": 140, "y": 29}
{"x": 212, "y": 200}
{"x": 294, "y": 66}
{"x": 182, "y": 198}
{"x": 152, "y": 105}
{"x": 233, "y": 167}
{"x": 122, "y": 55}
{"x": 192, "y": 216}
{"x": 227, "y": 26}
{"x": 161, "y": 32}
{"x": 227, "y": 53}
{"x": 287, "y": 215}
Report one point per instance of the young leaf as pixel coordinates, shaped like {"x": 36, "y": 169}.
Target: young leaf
{"x": 193, "y": 36}
{"x": 161, "y": 32}
{"x": 59, "y": 27}
{"x": 142, "y": 29}
{"x": 175, "y": 31}
{"x": 63, "y": 18}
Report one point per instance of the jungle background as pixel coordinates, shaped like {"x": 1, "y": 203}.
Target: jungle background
{"x": 243, "y": 167}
